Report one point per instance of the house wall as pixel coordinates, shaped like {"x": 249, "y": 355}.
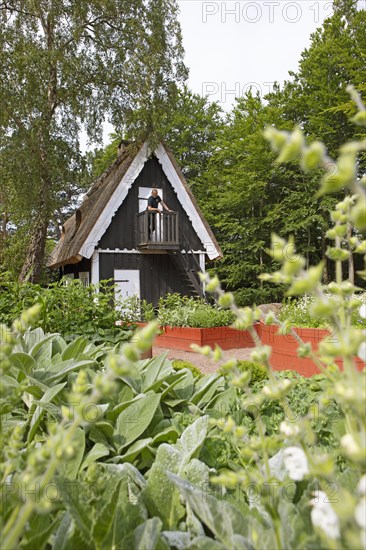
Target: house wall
{"x": 158, "y": 274}
{"x": 75, "y": 269}
{"x": 122, "y": 232}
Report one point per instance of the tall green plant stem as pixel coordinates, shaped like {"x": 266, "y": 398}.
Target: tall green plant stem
{"x": 12, "y": 535}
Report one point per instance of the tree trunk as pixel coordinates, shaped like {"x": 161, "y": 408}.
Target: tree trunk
{"x": 33, "y": 264}
{"x": 34, "y": 260}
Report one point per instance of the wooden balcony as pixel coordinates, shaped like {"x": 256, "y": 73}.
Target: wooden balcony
{"x": 157, "y": 233}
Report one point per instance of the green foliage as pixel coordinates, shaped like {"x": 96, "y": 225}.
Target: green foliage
{"x": 178, "y": 311}
{"x": 297, "y": 313}
{"x": 328, "y": 421}
{"x": 103, "y": 450}
{"x": 192, "y": 133}
{"x": 314, "y": 99}
{"x": 103, "y": 158}
{"x": 262, "y": 295}
{"x": 247, "y": 193}
{"x": 258, "y": 373}
{"x": 139, "y": 440}
{"x": 90, "y": 419}
{"x": 136, "y": 310}
{"x": 179, "y": 364}
{"x": 310, "y": 431}
{"x": 300, "y": 313}
{"x": 68, "y": 307}
{"x": 206, "y": 318}
{"x": 243, "y": 192}
{"x": 66, "y": 68}
{"x": 181, "y": 311}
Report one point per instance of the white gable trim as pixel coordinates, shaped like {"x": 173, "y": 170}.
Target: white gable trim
{"x": 186, "y": 202}
{"x": 114, "y": 203}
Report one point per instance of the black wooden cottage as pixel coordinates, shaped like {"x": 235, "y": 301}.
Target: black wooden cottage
{"x": 108, "y": 237}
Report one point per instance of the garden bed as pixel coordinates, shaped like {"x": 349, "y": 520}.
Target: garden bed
{"x": 284, "y": 348}
{"x": 181, "y": 338}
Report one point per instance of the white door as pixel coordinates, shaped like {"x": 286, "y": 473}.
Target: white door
{"x": 144, "y": 194}
{"x": 127, "y": 285}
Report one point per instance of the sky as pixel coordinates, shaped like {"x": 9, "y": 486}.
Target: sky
{"x": 232, "y": 46}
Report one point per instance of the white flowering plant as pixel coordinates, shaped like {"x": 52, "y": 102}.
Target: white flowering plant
{"x": 306, "y": 494}
{"x": 300, "y": 312}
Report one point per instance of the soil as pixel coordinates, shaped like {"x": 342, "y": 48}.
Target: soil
{"x": 205, "y": 364}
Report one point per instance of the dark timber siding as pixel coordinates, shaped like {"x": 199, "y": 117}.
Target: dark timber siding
{"x": 84, "y": 265}
{"x": 122, "y": 231}
{"x": 158, "y": 275}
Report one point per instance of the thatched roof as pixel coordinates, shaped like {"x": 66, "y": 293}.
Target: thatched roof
{"x": 73, "y": 245}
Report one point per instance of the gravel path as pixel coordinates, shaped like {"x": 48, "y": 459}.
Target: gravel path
{"x": 205, "y": 364}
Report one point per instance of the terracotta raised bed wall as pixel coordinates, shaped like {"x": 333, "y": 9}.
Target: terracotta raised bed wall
{"x": 182, "y": 338}
{"x": 284, "y": 348}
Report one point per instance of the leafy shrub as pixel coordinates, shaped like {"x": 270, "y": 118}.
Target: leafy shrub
{"x": 68, "y": 307}
{"x": 176, "y": 300}
{"x": 89, "y": 422}
{"x": 181, "y": 311}
{"x": 264, "y": 295}
{"x": 176, "y": 310}
{"x": 208, "y": 317}
{"x": 179, "y": 364}
{"x": 299, "y": 312}
{"x": 258, "y": 372}
{"x": 133, "y": 309}
{"x": 303, "y": 400}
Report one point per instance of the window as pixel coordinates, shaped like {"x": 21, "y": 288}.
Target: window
{"x": 68, "y": 277}
{"x": 84, "y": 277}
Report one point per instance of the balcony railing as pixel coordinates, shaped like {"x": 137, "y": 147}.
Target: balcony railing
{"x": 157, "y": 231}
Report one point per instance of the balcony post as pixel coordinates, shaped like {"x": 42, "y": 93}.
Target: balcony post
{"x": 167, "y": 235}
